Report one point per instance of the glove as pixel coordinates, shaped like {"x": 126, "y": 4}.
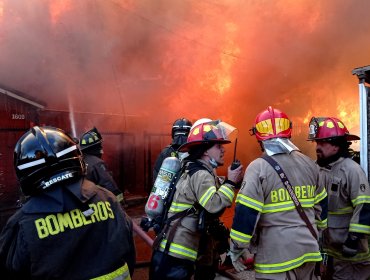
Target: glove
{"x": 235, "y": 175}
{"x": 236, "y": 256}
{"x": 350, "y": 246}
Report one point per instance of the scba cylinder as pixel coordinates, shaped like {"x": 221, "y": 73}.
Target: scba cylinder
{"x": 161, "y": 187}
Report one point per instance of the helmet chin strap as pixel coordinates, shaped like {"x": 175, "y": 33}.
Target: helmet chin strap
{"x": 213, "y": 162}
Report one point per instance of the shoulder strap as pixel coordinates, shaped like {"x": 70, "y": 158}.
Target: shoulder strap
{"x": 287, "y": 184}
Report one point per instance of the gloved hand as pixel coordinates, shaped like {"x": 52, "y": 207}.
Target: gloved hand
{"x": 350, "y": 246}
{"x": 237, "y": 255}
{"x": 235, "y": 175}
{"x": 236, "y": 259}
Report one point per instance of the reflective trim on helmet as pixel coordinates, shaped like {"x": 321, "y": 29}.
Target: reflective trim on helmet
{"x": 31, "y": 164}
{"x": 66, "y": 151}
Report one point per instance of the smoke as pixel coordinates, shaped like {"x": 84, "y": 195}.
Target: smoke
{"x": 166, "y": 59}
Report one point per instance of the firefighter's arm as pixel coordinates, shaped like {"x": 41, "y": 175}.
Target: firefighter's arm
{"x": 360, "y": 198}
{"x": 208, "y": 196}
{"x": 248, "y": 208}
{"x": 359, "y": 192}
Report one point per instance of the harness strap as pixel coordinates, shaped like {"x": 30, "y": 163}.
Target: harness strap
{"x": 288, "y": 186}
{"x": 162, "y": 235}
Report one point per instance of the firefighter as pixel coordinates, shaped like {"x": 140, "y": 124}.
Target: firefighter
{"x": 69, "y": 228}
{"x": 346, "y": 238}
{"x": 192, "y": 234}
{"x": 91, "y": 145}
{"x": 266, "y": 220}
{"x": 179, "y": 133}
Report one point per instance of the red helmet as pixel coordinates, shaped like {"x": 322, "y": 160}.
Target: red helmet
{"x": 208, "y": 132}
{"x": 272, "y": 123}
{"x": 329, "y": 128}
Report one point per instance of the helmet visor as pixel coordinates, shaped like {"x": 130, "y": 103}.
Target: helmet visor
{"x": 226, "y": 131}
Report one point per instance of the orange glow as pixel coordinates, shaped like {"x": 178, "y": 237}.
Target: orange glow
{"x": 57, "y": 8}
{"x": 349, "y": 114}
{"x": 307, "y": 117}
{"x": 1, "y": 11}
{"x": 219, "y": 80}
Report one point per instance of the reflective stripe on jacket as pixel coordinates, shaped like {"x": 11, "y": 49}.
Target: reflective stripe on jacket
{"x": 121, "y": 273}
{"x": 266, "y": 219}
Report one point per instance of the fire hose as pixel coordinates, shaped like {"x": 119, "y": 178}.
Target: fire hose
{"x": 142, "y": 234}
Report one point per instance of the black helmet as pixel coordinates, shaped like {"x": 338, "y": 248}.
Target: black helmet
{"x": 181, "y": 127}
{"x": 44, "y": 157}
{"x": 91, "y": 142}
{"x": 180, "y": 131}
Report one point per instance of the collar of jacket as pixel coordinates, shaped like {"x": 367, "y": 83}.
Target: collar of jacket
{"x": 331, "y": 164}
{"x": 278, "y": 146}
{"x": 53, "y": 201}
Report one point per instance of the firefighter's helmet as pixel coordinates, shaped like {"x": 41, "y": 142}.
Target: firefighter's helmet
{"x": 272, "y": 123}
{"x": 329, "y": 128}
{"x": 209, "y": 133}
{"x": 181, "y": 127}
{"x": 91, "y": 141}
{"x": 44, "y": 157}
{"x": 200, "y": 121}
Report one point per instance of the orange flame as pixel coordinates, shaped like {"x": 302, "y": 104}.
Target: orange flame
{"x": 349, "y": 114}
{"x": 219, "y": 79}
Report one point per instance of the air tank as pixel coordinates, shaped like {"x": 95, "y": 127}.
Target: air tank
{"x": 161, "y": 187}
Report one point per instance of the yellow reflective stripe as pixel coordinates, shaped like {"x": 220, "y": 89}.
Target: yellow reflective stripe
{"x": 359, "y": 228}
{"x": 178, "y": 207}
{"x": 358, "y": 257}
{"x": 119, "y": 197}
{"x": 322, "y": 224}
{"x": 249, "y": 202}
{"x": 320, "y": 196}
{"x": 286, "y": 206}
{"x": 207, "y": 195}
{"x": 239, "y": 236}
{"x": 121, "y": 273}
{"x": 361, "y": 199}
{"x": 180, "y": 250}
{"x": 227, "y": 192}
{"x": 288, "y": 265}
{"x": 346, "y": 210}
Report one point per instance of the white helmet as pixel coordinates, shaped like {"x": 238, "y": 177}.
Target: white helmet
{"x": 200, "y": 121}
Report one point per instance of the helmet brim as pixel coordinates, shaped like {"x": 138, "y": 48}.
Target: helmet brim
{"x": 349, "y": 137}
{"x": 187, "y": 146}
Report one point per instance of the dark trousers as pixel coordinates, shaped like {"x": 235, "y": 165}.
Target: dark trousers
{"x": 164, "y": 266}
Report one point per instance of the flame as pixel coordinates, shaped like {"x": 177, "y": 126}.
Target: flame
{"x": 307, "y": 117}
{"x": 349, "y": 114}
{"x": 219, "y": 79}
{"x": 57, "y": 8}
